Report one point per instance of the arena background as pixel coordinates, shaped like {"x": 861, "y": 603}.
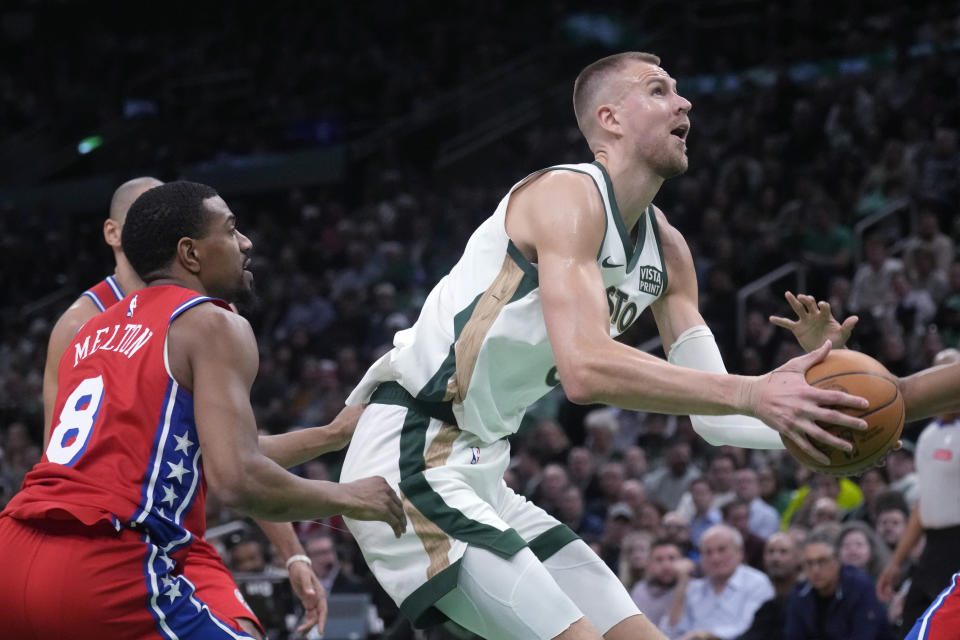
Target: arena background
{"x": 361, "y": 143}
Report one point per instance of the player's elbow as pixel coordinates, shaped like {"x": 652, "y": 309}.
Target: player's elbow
{"x": 580, "y": 385}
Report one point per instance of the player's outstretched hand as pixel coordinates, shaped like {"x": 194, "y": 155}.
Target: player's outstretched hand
{"x": 344, "y": 425}
{"x": 311, "y": 594}
{"x": 374, "y": 499}
{"x": 786, "y": 403}
{"x": 815, "y": 323}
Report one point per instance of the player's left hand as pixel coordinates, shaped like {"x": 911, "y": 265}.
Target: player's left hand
{"x": 345, "y": 424}
{"x": 311, "y": 594}
{"x": 815, "y": 323}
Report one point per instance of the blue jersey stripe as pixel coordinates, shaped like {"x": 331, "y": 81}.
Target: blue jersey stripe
{"x": 192, "y": 302}
{"x": 172, "y": 600}
{"x": 921, "y": 630}
{"x": 96, "y": 300}
{"x": 117, "y": 291}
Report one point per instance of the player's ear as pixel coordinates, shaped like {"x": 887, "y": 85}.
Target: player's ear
{"x": 608, "y": 119}
{"x": 112, "y": 232}
{"x": 187, "y": 255}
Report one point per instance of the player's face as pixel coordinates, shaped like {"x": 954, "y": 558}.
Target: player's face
{"x": 655, "y": 119}
{"x": 225, "y": 250}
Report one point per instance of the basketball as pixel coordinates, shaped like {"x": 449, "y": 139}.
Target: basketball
{"x": 860, "y": 375}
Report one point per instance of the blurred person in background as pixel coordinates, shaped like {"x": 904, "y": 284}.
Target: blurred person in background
{"x": 770, "y": 490}
{"x": 781, "y": 563}
{"x": 654, "y": 593}
{"x": 835, "y": 601}
{"x": 667, "y": 484}
{"x": 705, "y": 515}
{"x": 860, "y": 547}
{"x": 724, "y": 601}
{"x": 720, "y": 474}
{"x": 872, "y": 482}
{"x": 634, "y": 557}
{"x": 737, "y": 515}
{"x": 764, "y": 519}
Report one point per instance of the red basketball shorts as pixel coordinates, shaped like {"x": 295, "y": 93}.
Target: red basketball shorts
{"x": 62, "y": 579}
{"x": 941, "y": 620}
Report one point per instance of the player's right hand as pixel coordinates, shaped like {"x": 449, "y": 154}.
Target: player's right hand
{"x": 787, "y": 404}
{"x": 886, "y": 580}
{"x": 815, "y": 323}
{"x": 374, "y": 499}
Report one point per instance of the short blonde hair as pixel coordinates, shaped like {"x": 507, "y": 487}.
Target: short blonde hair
{"x": 595, "y": 75}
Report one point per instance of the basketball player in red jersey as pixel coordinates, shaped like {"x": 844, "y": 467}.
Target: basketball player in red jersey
{"x": 203, "y": 565}
{"x": 94, "y": 544}
{"x": 927, "y": 393}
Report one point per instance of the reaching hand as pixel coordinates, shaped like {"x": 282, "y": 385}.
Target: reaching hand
{"x": 311, "y": 594}
{"x": 786, "y": 403}
{"x": 814, "y": 323}
{"x": 374, "y": 499}
{"x": 886, "y": 580}
{"x": 345, "y": 424}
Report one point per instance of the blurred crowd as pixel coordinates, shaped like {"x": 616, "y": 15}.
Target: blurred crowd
{"x": 791, "y": 171}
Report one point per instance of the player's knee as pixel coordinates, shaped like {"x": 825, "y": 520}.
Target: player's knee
{"x": 250, "y": 628}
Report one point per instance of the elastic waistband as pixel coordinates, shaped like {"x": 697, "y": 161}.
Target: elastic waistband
{"x": 394, "y": 393}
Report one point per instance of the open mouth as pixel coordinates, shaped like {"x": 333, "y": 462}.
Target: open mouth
{"x": 681, "y": 131}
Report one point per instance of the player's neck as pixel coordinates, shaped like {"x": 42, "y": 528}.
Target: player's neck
{"x": 126, "y": 277}
{"x": 634, "y": 187}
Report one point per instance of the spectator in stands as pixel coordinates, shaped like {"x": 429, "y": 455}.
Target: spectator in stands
{"x": 667, "y": 484}
{"x": 873, "y": 482}
{"x": 705, "y": 514}
{"x": 571, "y": 511}
{"x": 601, "y": 428}
{"x": 872, "y": 287}
{"x": 654, "y": 593}
{"x": 618, "y": 524}
{"x": 843, "y": 491}
{"x": 725, "y": 600}
{"x": 635, "y": 462}
{"x": 891, "y": 521}
{"x": 825, "y": 511}
{"x": 769, "y": 482}
{"x": 634, "y": 557}
{"x": 676, "y": 529}
{"x": 859, "y": 546}
{"x": 610, "y": 479}
{"x": 929, "y": 237}
{"x": 650, "y": 519}
{"x": 548, "y": 492}
{"x": 581, "y": 468}
{"x": 737, "y": 515}
{"x": 781, "y": 562}
{"x": 634, "y": 494}
{"x": 834, "y": 602}
{"x": 903, "y": 472}
{"x": 720, "y": 476}
{"x": 764, "y": 519}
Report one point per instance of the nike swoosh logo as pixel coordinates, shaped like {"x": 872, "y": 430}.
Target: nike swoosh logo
{"x": 606, "y": 264}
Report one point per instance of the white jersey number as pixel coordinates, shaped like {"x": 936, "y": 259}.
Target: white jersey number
{"x": 69, "y": 438}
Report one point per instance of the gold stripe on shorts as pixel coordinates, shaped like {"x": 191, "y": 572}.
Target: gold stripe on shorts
{"x": 488, "y": 307}
{"x": 435, "y": 541}
{"x": 439, "y": 450}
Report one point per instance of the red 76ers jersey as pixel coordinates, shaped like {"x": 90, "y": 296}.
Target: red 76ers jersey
{"x": 124, "y": 444}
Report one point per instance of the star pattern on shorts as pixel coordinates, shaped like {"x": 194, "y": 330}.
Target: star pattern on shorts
{"x": 183, "y": 443}
{"x": 177, "y": 471}
{"x": 169, "y": 495}
{"x": 170, "y": 564}
{"x": 173, "y": 590}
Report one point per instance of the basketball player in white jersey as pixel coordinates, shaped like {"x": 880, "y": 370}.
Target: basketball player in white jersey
{"x": 570, "y": 258}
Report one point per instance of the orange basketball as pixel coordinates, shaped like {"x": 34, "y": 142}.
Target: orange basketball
{"x": 860, "y": 375}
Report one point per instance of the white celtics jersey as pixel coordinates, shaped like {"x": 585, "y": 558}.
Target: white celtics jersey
{"x": 480, "y": 341}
